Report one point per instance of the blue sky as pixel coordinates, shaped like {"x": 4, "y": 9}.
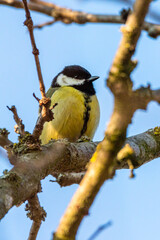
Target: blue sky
{"x": 131, "y": 205}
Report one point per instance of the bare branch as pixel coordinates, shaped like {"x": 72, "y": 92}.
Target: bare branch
{"x": 68, "y": 16}
{"x": 19, "y": 128}
{"x": 29, "y": 23}
{"x": 39, "y": 26}
{"x": 67, "y": 179}
{"x": 102, "y": 162}
{"x": 23, "y": 181}
{"x": 42, "y": 118}
{"x": 7, "y": 144}
{"x": 35, "y": 213}
{"x": 4, "y": 141}
{"x": 152, "y": 29}
{"x": 46, "y": 113}
{"x": 99, "y": 230}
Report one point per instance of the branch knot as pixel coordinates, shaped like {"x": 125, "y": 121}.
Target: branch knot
{"x": 35, "y": 51}
{"x": 29, "y": 23}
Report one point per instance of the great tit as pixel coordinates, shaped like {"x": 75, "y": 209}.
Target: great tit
{"x": 77, "y": 113}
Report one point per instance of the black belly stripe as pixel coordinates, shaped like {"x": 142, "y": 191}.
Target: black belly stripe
{"x": 86, "y": 115}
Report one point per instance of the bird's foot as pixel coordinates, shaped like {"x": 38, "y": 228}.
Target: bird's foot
{"x": 84, "y": 139}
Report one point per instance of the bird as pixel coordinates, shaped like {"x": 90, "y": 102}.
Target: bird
{"x": 77, "y": 112}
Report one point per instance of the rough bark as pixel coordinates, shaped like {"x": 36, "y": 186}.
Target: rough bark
{"x": 102, "y": 166}
{"x": 56, "y": 158}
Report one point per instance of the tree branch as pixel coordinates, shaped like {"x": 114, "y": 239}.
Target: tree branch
{"x": 69, "y": 16}
{"x": 67, "y": 179}
{"x": 19, "y": 128}
{"x": 46, "y": 114}
{"x": 23, "y": 181}
{"x": 102, "y": 162}
{"x": 4, "y": 141}
{"x": 99, "y": 230}
{"x": 49, "y": 23}
{"x": 29, "y": 23}
{"x": 35, "y": 213}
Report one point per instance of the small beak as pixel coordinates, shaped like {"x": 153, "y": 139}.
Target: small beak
{"x": 93, "y": 78}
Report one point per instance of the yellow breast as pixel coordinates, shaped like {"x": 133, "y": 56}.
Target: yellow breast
{"x": 71, "y": 117}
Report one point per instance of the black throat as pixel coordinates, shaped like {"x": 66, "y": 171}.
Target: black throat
{"x": 87, "y": 88}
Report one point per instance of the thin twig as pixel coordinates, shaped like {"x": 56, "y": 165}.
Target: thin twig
{"x": 35, "y": 213}
{"x": 19, "y": 128}
{"x": 46, "y": 113}
{"x": 39, "y": 26}
{"x": 42, "y": 119}
{"x": 69, "y": 16}
{"x": 100, "y": 229}
{"x": 29, "y": 23}
{"x": 38, "y": 99}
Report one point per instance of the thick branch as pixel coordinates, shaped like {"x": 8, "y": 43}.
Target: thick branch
{"x": 102, "y": 162}
{"x": 23, "y": 181}
{"x": 69, "y": 16}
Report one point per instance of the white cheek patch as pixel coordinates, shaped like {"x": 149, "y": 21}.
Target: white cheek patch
{"x": 63, "y": 80}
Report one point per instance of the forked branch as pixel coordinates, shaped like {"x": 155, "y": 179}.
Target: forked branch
{"x": 102, "y": 165}
{"x": 66, "y": 158}
{"x": 69, "y": 16}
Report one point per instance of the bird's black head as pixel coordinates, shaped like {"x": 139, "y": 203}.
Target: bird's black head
{"x": 77, "y": 77}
